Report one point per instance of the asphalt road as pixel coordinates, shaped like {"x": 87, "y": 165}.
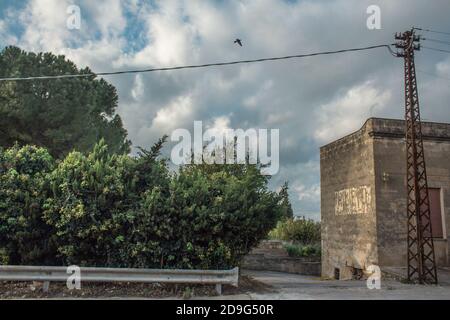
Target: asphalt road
{"x": 299, "y": 287}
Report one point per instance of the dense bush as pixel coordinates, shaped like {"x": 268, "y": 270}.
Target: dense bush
{"x": 307, "y": 250}
{"x": 90, "y": 206}
{"x": 303, "y": 231}
{"x": 224, "y": 212}
{"x": 24, "y": 236}
{"x": 99, "y": 209}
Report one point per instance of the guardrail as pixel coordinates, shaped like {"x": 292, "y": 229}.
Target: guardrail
{"x": 49, "y": 274}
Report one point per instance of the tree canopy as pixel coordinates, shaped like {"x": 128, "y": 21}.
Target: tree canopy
{"x": 288, "y": 213}
{"x": 59, "y": 114}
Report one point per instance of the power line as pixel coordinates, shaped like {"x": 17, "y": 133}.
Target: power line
{"x": 435, "y": 49}
{"x": 434, "y": 31}
{"x": 435, "y": 40}
{"x": 194, "y": 66}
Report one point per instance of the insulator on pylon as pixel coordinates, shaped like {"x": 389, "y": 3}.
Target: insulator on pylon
{"x": 399, "y": 36}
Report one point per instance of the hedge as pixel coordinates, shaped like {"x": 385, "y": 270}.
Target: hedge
{"x": 99, "y": 209}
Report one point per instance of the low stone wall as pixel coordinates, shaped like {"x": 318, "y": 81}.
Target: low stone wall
{"x": 290, "y": 265}
{"x": 271, "y": 256}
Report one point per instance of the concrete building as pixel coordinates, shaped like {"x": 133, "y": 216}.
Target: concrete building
{"x": 363, "y": 196}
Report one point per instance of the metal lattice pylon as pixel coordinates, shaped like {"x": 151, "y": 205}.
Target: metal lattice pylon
{"x": 421, "y": 257}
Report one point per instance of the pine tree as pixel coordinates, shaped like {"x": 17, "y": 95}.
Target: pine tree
{"x": 58, "y": 114}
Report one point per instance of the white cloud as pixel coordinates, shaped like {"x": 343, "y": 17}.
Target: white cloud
{"x": 220, "y": 126}
{"x": 5, "y": 35}
{"x": 307, "y": 192}
{"x": 253, "y": 101}
{"x": 443, "y": 68}
{"x": 170, "y": 38}
{"x": 45, "y": 25}
{"x": 347, "y": 112}
{"x": 108, "y": 17}
{"x": 138, "y": 89}
{"x": 176, "y": 114}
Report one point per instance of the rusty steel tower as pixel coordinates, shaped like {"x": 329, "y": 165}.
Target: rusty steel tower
{"x": 421, "y": 257}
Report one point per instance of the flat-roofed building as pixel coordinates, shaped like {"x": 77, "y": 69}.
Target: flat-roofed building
{"x": 363, "y": 196}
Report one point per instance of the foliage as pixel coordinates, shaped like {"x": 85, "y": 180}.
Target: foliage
{"x": 102, "y": 209}
{"x": 87, "y": 205}
{"x": 308, "y": 250}
{"x": 224, "y": 212}
{"x": 60, "y": 115}
{"x": 288, "y": 213}
{"x": 304, "y": 231}
{"x": 23, "y": 234}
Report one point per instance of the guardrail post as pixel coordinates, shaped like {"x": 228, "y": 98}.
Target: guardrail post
{"x": 236, "y": 277}
{"x": 46, "y": 286}
{"x": 219, "y": 289}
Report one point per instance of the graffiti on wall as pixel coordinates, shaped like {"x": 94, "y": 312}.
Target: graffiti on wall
{"x": 351, "y": 201}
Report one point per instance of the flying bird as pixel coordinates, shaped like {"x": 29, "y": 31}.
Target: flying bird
{"x": 238, "y": 41}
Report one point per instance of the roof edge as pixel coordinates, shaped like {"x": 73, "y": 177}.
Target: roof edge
{"x": 379, "y": 133}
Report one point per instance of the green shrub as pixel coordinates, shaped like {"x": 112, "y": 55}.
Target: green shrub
{"x": 99, "y": 209}
{"x": 309, "y": 250}
{"x": 24, "y": 236}
{"x": 88, "y": 206}
{"x": 303, "y": 231}
{"x": 222, "y": 212}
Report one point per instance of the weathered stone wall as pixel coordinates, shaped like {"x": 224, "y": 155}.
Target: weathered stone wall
{"x": 348, "y": 204}
{"x": 390, "y": 169}
{"x": 304, "y": 266}
{"x": 271, "y": 255}
{"x": 359, "y": 230}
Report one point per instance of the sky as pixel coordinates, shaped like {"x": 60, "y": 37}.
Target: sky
{"x": 311, "y": 101}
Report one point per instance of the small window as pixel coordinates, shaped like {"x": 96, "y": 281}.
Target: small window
{"x": 435, "y": 212}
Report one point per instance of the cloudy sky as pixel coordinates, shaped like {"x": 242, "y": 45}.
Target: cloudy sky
{"x": 312, "y": 101}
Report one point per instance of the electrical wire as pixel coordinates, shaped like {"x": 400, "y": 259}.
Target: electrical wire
{"x": 435, "y": 49}
{"x": 65, "y": 76}
{"x": 434, "y": 31}
{"x": 392, "y": 52}
{"x": 436, "y": 40}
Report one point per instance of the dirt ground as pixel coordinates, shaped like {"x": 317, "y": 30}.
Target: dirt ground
{"x": 28, "y": 290}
